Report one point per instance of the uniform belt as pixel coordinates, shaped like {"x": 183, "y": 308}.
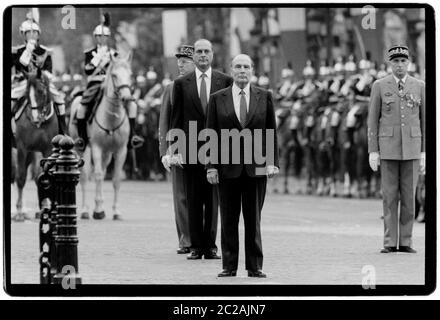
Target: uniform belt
{"x": 362, "y": 98}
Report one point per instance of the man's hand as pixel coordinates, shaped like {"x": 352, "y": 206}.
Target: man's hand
{"x": 30, "y": 46}
{"x": 212, "y": 176}
{"x": 177, "y": 160}
{"x": 272, "y": 171}
{"x": 374, "y": 160}
{"x": 422, "y": 162}
{"x": 166, "y": 162}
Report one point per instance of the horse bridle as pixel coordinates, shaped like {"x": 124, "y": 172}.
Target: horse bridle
{"x": 44, "y": 106}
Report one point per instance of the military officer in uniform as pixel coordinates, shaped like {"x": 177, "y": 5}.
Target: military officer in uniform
{"x": 27, "y": 59}
{"x": 97, "y": 61}
{"x": 396, "y": 142}
{"x": 186, "y": 65}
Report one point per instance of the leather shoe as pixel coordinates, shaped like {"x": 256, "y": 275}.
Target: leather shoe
{"x": 227, "y": 273}
{"x": 183, "y": 250}
{"x": 212, "y": 254}
{"x": 256, "y": 274}
{"x": 194, "y": 255}
{"x": 388, "y": 250}
{"x": 407, "y": 249}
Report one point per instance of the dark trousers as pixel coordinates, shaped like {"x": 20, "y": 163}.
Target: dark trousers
{"x": 245, "y": 193}
{"x": 180, "y": 207}
{"x": 202, "y": 201}
{"x": 399, "y": 182}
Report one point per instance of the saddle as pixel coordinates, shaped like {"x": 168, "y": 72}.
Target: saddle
{"x": 91, "y": 97}
{"x": 21, "y": 106}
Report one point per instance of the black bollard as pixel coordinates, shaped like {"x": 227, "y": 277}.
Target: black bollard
{"x": 66, "y": 240}
{"x": 46, "y": 196}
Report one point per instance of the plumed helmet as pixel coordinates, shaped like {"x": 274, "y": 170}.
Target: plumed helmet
{"x": 29, "y": 25}
{"x": 350, "y": 65}
{"x": 339, "y": 66}
{"x": 308, "y": 70}
{"x": 103, "y": 29}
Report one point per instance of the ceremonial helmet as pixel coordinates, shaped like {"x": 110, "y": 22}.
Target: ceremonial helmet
{"x": 308, "y": 71}
{"x": 29, "y": 25}
{"x": 339, "y": 66}
{"x": 350, "y": 65}
{"x": 323, "y": 69}
{"x": 103, "y": 29}
{"x": 364, "y": 64}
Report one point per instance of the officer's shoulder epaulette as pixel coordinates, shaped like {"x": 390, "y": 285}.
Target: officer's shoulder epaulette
{"x": 16, "y": 48}
{"x": 46, "y": 48}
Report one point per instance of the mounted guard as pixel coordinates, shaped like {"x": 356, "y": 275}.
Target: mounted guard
{"x": 97, "y": 61}
{"x": 29, "y": 59}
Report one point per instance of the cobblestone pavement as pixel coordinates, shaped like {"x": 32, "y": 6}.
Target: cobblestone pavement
{"x": 306, "y": 240}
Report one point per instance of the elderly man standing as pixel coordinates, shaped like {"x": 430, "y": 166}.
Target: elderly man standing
{"x": 396, "y": 142}
{"x": 191, "y": 96}
{"x": 242, "y": 108}
{"x": 185, "y": 65}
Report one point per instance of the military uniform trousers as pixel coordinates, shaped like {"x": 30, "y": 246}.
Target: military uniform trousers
{"x": 180, "y": 207}
{"x": 399, "y": 182}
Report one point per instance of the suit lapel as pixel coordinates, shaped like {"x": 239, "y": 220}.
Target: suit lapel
{"x": 192, "y": 85}
{"x": 253, "y": 103}
{"x": 228, "y": 101}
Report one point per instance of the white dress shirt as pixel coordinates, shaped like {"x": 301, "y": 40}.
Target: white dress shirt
{"x": 207, "y": 81}
{"x": 236, "y": 98}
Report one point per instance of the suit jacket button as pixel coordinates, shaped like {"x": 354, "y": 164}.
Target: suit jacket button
{"x": 403, "y": 116}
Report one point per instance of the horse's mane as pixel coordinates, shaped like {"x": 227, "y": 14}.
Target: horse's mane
{"x": 34, "y": 79}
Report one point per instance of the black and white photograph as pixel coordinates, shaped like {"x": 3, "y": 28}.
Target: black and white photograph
{"x": 251, "y": 149}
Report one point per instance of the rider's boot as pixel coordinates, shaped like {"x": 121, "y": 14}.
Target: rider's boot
{"x": 82, "y": 133}
{"x": 134, "y": 141}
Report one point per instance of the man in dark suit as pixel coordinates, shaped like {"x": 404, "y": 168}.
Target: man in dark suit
{"x": 185, "y": 63}
{"x": 191, "y": 97}
{"x": 396, "y": 141}
{"x": 243, "y": 109}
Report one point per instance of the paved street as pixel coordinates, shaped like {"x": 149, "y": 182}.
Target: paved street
{"x": 306, "y": 240}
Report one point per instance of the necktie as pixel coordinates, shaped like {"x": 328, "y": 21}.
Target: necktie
{"x": 203, "y": 98}
{"x": 400, "y": 85}
{"x": 243, "y": 108}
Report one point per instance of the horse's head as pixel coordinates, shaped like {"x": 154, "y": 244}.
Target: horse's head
{"x": 38, "y": 94}
{"x": 120, "y": 77}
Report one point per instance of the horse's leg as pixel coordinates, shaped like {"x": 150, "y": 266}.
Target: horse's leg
{"x": 83, "y": 178}
{"x": 21, "y": 181}
{"x": 119, "y": 159}
{"x": 98, "y": 212}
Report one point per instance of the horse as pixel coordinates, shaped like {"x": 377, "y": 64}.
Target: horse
{"x": 35, "y": 125}
{"x": 108, "y": 132}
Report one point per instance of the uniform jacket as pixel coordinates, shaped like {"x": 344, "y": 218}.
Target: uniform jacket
{"x": 89, "y": 68}
{"x": 261, "y": 115}
{"x": 396, "y": 123}
{"x": 164, "y": 119}
{"x": 40, "y": 55}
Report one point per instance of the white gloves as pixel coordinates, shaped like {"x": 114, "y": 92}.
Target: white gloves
{"x": 271, "y": 171}
{"x": 423, "y": 162}
{"x": 168, "y": 161}
{"x": 26, "y": 56}
{"x": 212, "y": 176}
{"x": 102, "y": 56}
{"x": 374, "y": 160}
